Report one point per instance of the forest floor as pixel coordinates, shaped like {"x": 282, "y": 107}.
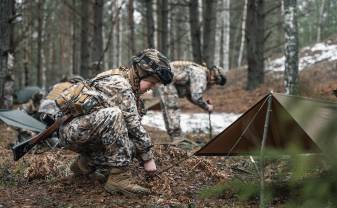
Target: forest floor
{"x": 36, "y": 180}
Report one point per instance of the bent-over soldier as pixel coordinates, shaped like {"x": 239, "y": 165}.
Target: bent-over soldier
{"x": 190, "y": 80}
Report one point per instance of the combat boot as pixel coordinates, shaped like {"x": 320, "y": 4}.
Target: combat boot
{"x": 120, "y": 181}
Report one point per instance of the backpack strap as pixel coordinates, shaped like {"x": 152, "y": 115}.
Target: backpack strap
{"x": 108, "y": 73}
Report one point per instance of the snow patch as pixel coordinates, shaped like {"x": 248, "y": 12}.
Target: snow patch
{"x": 193, "y": 122}
{"x": 310, "y": 55}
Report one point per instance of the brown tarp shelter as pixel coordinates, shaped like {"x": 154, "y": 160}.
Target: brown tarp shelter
{"x": 310, "y": 124}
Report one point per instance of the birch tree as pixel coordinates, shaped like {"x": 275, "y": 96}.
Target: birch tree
{"x": 224, "y": 49}
{"x": 243, "y": 33}
{"x": 291, "y": 47}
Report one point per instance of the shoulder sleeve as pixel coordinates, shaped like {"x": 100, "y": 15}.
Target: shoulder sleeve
{"x": 137, "y": 133}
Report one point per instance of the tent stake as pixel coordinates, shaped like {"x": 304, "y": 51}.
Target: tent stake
{"x": 263, "y": 143}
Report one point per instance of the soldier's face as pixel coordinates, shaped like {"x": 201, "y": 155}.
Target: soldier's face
{"x": 145, "y": 85}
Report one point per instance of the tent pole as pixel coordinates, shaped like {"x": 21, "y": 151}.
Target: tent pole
{"x": 263, "y": 143}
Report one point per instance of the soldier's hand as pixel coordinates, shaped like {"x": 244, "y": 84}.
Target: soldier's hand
{"x": 150, "y": 166}
{"x": 210, "y": 108}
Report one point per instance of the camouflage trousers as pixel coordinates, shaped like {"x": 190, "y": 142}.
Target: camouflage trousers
{"x": 169, "y": 102}
{"x": 101, "y": 137}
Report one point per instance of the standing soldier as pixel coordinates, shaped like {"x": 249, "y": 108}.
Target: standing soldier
{"x": 107, "y": 131}
{"x": 190, "y": 80}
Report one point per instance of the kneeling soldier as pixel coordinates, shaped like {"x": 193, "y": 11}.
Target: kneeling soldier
{"x": 108, "y": 132}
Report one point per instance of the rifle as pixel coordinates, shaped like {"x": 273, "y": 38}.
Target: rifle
{"x": 19, "y": 150}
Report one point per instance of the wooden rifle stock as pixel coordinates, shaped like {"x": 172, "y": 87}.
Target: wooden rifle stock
{"x": 19, "y": 150}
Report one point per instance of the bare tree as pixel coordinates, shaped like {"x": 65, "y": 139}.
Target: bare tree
{"x": 98, "y": 54}
{"x": 84, "y": 38}
{"x": 132, "y": 47}
{"x": 149, "y": 23}
{"x": 209, "y": 16}
{"x": 163, "y": 26}
{"x": 40, "y": 13}
{"x": 320, "y": 20}
{"x": 195, "y": 30}
{"x": 243, "y": 32}
{"x": 6, "y": 82}
{"x": 225, "y": 31}
{"x": 255, "y": 43}
{"x": 291, "y": 47}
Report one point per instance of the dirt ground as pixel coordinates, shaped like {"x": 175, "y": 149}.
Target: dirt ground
{"x": 37, "y": 179}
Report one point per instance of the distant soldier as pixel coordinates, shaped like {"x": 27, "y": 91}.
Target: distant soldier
{"x": 106, "y": 129}
{"x": 31, "y": 107}
{"x": 34, "y": 96}
{"x": 190, "y": 80}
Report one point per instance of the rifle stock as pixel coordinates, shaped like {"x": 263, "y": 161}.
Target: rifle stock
{"x": 19, "y": 150}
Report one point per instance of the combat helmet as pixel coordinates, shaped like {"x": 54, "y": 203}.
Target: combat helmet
{"x": 153, "y": 63}
{"x": 218, "y": 73}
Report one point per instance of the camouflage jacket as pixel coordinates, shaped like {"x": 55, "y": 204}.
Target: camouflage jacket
{"x": 117, "y": 91}
{"x": 190, "y": 80}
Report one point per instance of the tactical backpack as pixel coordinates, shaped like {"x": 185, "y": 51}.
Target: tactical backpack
{"x": 83, "y": 97}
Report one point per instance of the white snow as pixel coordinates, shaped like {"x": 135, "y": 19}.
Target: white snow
{"x": 193, "y": 122}
{"x": 310, "y": 55}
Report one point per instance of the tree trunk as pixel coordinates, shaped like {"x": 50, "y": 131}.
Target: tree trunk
{"x": 209, "y": 31}
{"x": 291, "y": 47}
{"x": 179, "y": 33}
{"x": 224, "y": 39}
{"x": 243, "y": 33}
{"x": 111, "y": 60}
{"x": 98, "y": 55}
{"x": 163, "y": 26}
{"x": 149, "y": 23}
{"x": 75, "y": 69}
{"x": 255, "y": 43}
{"x": 195, "y": 31}
{"x": 6, "y": 82}
{"x": 39, "y": 42}
{"x": 118, "y": 39}
{"x": 132, "y": 47}
{"x": 320, "y": 20}
{"x": 84, "y": 39}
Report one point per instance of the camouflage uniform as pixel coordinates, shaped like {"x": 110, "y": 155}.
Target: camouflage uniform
{"x": 112, "y": 134}
{"x": 190, "y": 81}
